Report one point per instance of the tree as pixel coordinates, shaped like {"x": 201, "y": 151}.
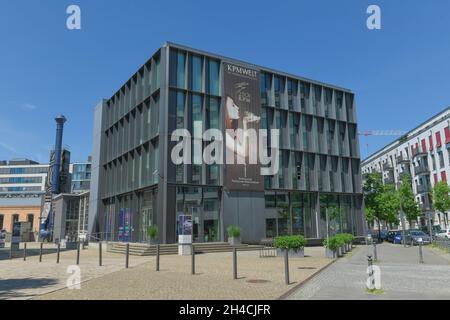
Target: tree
{"x": 441, "y": 199}
{"x": 408, "y": 202}
{"x": 389, "y": 204}
{"x": 373, "y": 188}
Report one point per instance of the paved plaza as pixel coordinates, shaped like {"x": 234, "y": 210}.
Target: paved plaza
{"x": 402, "y": 277}
{"x": 258, "y": 278}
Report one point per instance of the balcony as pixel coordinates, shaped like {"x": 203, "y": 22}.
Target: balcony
{"x": 424, "y": 188}
{"x": 421, "y": 169}
{"x": 387, "y": 166}
{"x": 418, "y": 152}
{"x": 402, "y": 159}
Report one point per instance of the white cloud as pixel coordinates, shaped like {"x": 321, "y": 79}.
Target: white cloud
{"x": 28, "y": 106}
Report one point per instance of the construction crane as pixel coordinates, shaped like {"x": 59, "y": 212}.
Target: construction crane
{"x": 386, "y": 133}
{"x": 382, "y": 133}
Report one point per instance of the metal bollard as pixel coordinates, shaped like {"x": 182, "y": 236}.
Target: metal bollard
{"x": 40, "y": 252}
{"x": 286, "y": 266}
{"x": 234, "y": 263}
{"x": 157, "y": 257}
{"x": 78, "y": 253}
{"x": 58, "y": 250}
{"x": 100, "y": 253}
{"x": 11, "y": 251}
{"x": 24, "y": 251}
{"x": 420, "y": 252}
{"x": 371, "y": 273}
{"x": 375, "y": 251}
{"x": 127, "y": 255}
{"x": 193, "y": 260}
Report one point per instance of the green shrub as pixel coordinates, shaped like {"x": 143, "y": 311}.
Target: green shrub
{"x": 341, "y": 239}
{"x": 349, "y": 238}
{"x": 152, "y": 231}
{"x": 332, "y": 243}
{"x": 289, "y": 242}
{"x": 234, "y": 231}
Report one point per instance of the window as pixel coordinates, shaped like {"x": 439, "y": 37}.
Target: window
{"x": 441, "y": 159}
{"x": 156, "y": 162}
{"x": 181, "y": 61}
{"x": 264, "y": 87}
{"x": 339, "y": 98}
{"x": 269, "y": 200}
{"x": 213, "y": 113}
{"x": 196, "y": 73}
{"x": 180, "y": 109}
{"x": 438, "y": 139}
{"x": 277, "y": 87}
{"x": 2, "y": 219}
{"x": 30, "y": 218}
{"x": 213, "y": 77}
{"x": 196, "y": 116}
{"x": 304, "y": 95}
{"x": 290, "y": 88}
{"x": 157, "y": 73}
{"x": 447, "y": 135}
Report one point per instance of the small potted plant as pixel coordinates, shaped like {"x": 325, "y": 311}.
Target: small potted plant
{"x": 152, "y": 232}
{"x": 349, "y": 241}
{"x": 331, "y": 246}
{"x": 234, "y": 233}
{"x": 294, "y": 244}
{"x": 340, "y": 244}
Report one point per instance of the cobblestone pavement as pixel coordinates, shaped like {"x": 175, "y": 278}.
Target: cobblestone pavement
{"x": 213, "y": 279}
{"x": 402, "y": 277}
{"x": 25, "y": 279}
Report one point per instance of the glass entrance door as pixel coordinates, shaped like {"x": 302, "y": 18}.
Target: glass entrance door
{"x": 197, "y": 223}
{"x": 146, "y": 222}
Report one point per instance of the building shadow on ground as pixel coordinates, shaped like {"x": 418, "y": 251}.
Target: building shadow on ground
{"x": 10, "y": 288}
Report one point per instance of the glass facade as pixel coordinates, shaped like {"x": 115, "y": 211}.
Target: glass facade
{"x": 317, "y": 184}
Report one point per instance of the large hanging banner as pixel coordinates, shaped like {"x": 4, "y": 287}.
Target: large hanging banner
{"x": 242, "y": 124}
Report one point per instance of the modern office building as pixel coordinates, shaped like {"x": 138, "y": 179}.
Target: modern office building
{"x": 80, "y": 176}
{"x": 22, "y": 184}
{"x": 22, "y": 178}
{"x": 71, "y": 216}
{"x": 135, "y": 183}
{"x": 423, "y": 154}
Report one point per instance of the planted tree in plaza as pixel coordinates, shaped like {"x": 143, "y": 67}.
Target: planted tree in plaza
{"x": 441, "y": 199}
{"x": 372, "y": 188}
{"x": 389, "y": 204}
{"x": 408, "y": 201}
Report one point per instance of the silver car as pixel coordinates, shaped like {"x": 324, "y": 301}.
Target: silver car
{"x": 419, "y": 236}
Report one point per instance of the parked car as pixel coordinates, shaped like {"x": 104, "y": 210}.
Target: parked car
{"x": 417, "y": 236}
{"x": 376, "y": 235}
{"x": 444, "y": 233}
{"x": 391, "y": 235}
{"x": 398, "y": 237}
{"x": 434, "y": 230}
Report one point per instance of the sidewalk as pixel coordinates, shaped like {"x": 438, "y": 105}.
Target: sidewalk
{"x": 258, "y": 278}
{"x": 402, "y": 277}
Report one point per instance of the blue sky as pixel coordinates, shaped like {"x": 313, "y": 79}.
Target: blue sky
{"x": 400, "y": 74}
